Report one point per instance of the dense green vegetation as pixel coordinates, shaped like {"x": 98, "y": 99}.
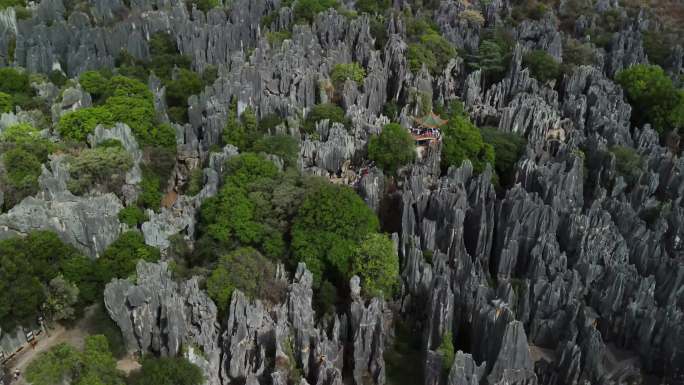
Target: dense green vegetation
{"x": 376, "y": 263}
{"x": 461, "y": 141}
{"x": 167, "y": 371}
{"x": 319, "y": 112}
{"x": 653, "y": 97}
{"x": 244, "y": 269}
{"x": 446, "y": 350}
{"x": 628, "y": 163}
{"x": 306, "y": 10}
{"x": 132, "y": 216}
{"x": 347, "y": 71}
{"x": 64, "y": 364}
{"x": 432, "y": 50}
{"x": 393, "y": 148}
{"x": 543, "y": 66}
{"x": 103, "y": 168}
{"x": 508, "y": 148}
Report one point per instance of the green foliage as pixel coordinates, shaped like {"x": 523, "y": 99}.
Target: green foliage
{"x": 168, "y": 371}
{"x": 331, "y": 221}
{"x": 432, "y": 50}
{"x": 653, "y": 97}
{"x": 241, "y": 131}
{"x": 393, "y": 148}
{"x": 377, "y": 264}
{"x": 120, "y": 258}
{"x": 23, "y": 169}
{"x": 26, "y": 264}
{"x": 64, "y": 364}
{"x": 320, "y": 112}
{"x": 352, "y": 71}
{"x": 177, "y": 91}
{"x": 244, "y": 269}
{"x": 284, "y": 146}
{"x": 628, "y": 163}
{"x": 657, "y": 47}
{"x": 276, "y": 38}
{"x": 132, "y": 216}
{"x": 13, "y": 81}
{"x": 372, "y": 6}
{"x": 58, "y": 78}
{"x": 99, "y": 167}
{"x": 543, "y": 66}
{"x": 490, "y": 59}
{"x": 101, "y": 323}
{"x": 461, "y": 141}
{"x": 508, "y": 148}
{"x": 61, "y": 297}
{"x": 6, "y": 102}
{"x": 12, "y": 3}
{"x": 94, "y": 82}
{"x": 446, "y": 350}
{"x": 151, "y": 195}
{"x": 528, "y": 9}
{"x": 78, "y": 124}
{"x": 576, "y": 54}
{"x": 196, "y": 182}
{"x": 306, "y": 10}
{"x": 269, "y": 122}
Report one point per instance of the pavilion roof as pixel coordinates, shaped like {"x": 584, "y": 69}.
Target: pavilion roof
{"x": 431, "y": 120}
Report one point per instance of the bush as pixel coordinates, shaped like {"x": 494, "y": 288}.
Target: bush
{"x": 167, "y": 371}
{"x": 244, "y": 269}
{"x": 576, "y": 54}
{"x": 491, "y": 60}
{"x": 132, "y": 216}
{"x": 103, "y": 167}
{"x": 461, "y": 141}
{"x": 151, "y": 195}
{"x": 329, "y": 225}
{"x": 22, "y": 171}
{"x": 306, "y": 10}
{"x": 446, "y": 350}
{"x": 94, "y": 82}
{"x": 196, "y": 182}
{"x": 508, "y": 148}
{"x": 628, "y": 163}
{"x": 372, "y": 6}
{"x": 13, "y": 81}
{"x": 377, "y": 264}
{"x": 119, "y": 260}
{"x": 77, "y": 125}
{"x": 657, "y": 47}
{"x": 321, "y": 112}
{"x": 432, "y": 50}
{"x": 653, "y": 97}
{"x": 6, "y": 102}
{"x": 393, "y": 148}
{"x": 543, "y": 66}
{"x": 352, "y": 71}
{"x": 284, "y": 146}
{"x": 64, "y": 364}
{"x": 269, "y": 122}
{"x": 177, "y": 91}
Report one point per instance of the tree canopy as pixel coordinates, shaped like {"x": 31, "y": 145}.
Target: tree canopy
{"x": 461, "y": 141}
{"x": 167, "y": 371}
{"x": 543, "y": 66}
{"x": 377, "y": 264}
{"x": 653, "y": 97}
{"x": 393, "y": 148}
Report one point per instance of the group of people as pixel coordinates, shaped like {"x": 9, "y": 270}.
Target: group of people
{"x": 426, "y": 132}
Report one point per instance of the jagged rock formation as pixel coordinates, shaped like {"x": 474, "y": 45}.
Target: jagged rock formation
{"x": 262, "y": 342}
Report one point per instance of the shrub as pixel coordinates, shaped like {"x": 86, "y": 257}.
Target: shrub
{"x": 432, "y": 50}
{"x": 656, "y": 47}
{"x": 418, "y": 55}
{"x": 22, "y": 171}
{"x": 13, "y": 81}
{"x": 372, "y": 6}
{"x": 100, "y": 166}
{"x": 490, "y": 59}
{"x": 377, "y": 264}
{"x": 269, "y": 122}
{"x": 330, "y": 223}
{"x": 78, "y": 124}
{"x": 244, "y": 269}
{"x": 196, "y": 182}
{"x": 393, "y": 148}
{"x": 461, "y": 141}
{"x": 6, "y": 102}
{"x": 151, "y": 195}
{"x": 284, "y": 146}
{"x": 446, "y": 350}
{"x": 628, "y": 163}
{"x": 94, "y": 83}
{"x": 472, "y": 16}
{"x": 653, "y": 97}
{"x": 178, "y": 90}
{"x": 168, "y": 370}
{"x": 352, "y": 71}
{"x": 319, "y": 112}
{"x": 132, "y": 216}
{"x": 119, "y": 260}
{"x": 277, "y": 38}
{"x": 306, "y": 10}
{"x": 576, "y": 54}
{"x": 543, "y": 66}
{"x": 508, "y": 148}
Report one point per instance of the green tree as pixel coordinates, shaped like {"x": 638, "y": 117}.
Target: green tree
{"x": 418, "y": 55}
{"x": 461, "y": 141}
{"x": 543, "y": 66}
{"x": 446, "y": 350}
{"x": 508, "y": 148}
{"x": 393, "y": 148}
{"x": 56, "y": 366}
{"x": 653, "y": 97}
{"x": 61, "y": 297}
{"x": 119, "y": 260}
{"x": 352, "y": 71}
{"x": 168, "y": 371}
{"x": 377, "y": 264}
{"x": 13, "y": 81}
{"x": 78, "y": 124}
{"x": 306, "y": 10}
{"x": 628, "y": 163}
{"x": 103, "y": 167}
{"x": 490, "y": 59}
{"x": 319, "y": 112}
{"x": 22, "y": 171}
{"x": 244, "y": 269}
{"x": 6, "y": 102}
{"x": 132, "y": 216}
{"x": 94, "y": 82}
{"x": 331, "y": 221}
{"x": 372, "y": 6}
{"x": 151, "y": 195}
{"x": 178, "y": 90}
{"x": 284, "y": 146}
